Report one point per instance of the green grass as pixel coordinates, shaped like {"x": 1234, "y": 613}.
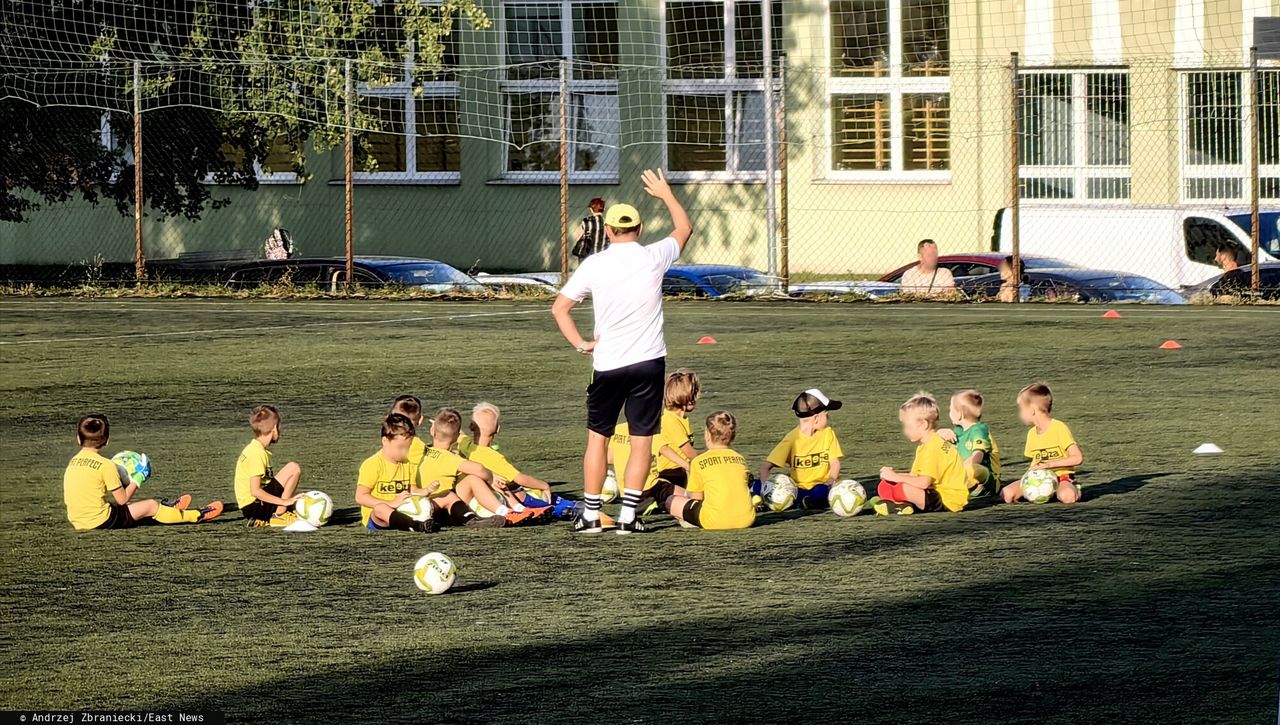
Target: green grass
{"x": 1152, "y": 600}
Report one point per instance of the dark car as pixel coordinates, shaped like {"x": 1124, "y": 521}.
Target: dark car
{"x": 1077, "y": 285}
{"x": 330, "y": 272}
{"x": 980, "y": 263}
{"x": 716, "y": 280}
{"x": 1240, "y": 282}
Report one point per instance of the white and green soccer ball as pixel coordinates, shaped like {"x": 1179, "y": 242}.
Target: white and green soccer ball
{"x": 847, "y": 498}
{"x": 133, "y": 466}
{"x": 314, "y": 507}
{"x": 1039, "y": 486}
{"x": 779, "y": 492}
{"x": 610, "y": 491}
{"x": 418, "y": 508}
{"x": 435, "y": 573}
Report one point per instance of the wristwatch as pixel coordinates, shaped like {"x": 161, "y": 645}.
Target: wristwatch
{"x": 581, "y": 348}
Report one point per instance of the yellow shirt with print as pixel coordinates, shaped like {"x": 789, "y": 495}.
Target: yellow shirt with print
{"x": 491, "y": 459}
{"x": 255, "y": 460}
{"x": 620, "y": 447}
{"x": 86, "y": 485}
{"x": 438, "y": 465}
{"x": 385, "y": 480}
{"x": 1053, "y": 443}
{"x": 724, "y": 480}
{"x": 675, "y": 433}
{"x": 808, "y": 458}
{"x": 941, "y": 462}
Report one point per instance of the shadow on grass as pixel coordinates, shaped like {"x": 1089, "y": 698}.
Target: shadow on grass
{"x": 1119, "y": 486}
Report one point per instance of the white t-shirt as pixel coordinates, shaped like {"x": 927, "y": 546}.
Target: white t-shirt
{"x": 917, "y": 282}
{"x": 625, "y": 284}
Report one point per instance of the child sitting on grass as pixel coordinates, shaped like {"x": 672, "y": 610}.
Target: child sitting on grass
{"x": 518, "y": 489}
{"x": 386, "y": 481}
{"x": 1050, "y": 445}
{"x": 937, "y": 479}
{"x": 96, "y": 498}
{"x": 461, "y": 480}
{"x": 673, "y": 446}
{"x": 718, "y": 495}
{"x": 975, "y": 443}
{"x": 265, "y": 497}
{"x": 810, "y": 452}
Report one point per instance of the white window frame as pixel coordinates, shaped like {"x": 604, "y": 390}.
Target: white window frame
{"x": 552, "y": 86}
{"x": 405, "y": 89}
{"x": 1240, "y": 171}
{"x": 1081, "y": 172}
{"x": 726, "y": 87}
{"x": 895, "y": 86}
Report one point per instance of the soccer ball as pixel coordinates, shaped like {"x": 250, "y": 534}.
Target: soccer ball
{"x": 847, "y": 498}
{"x": 418, "y": 508}
{"x": 133, "y": 466}
{"x": 435, "y": 573}
{"x": 314, "y": 507}
{"x": 610, "y": 490}
{"x": 779, "y": 492}
{"x": 1038, "y": 486}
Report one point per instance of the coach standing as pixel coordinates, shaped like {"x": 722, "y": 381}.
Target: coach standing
{"x": 629, "y": 354}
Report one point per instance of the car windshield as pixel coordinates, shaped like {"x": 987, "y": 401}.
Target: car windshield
{"x": 419, "y": 273}
{"x": 1126, "y": 288}
{"x": 1268, "y": 225}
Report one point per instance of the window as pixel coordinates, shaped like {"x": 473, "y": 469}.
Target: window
{"x": 714, "y": 88}
{"x": 536, "y": 35}
{"x": 275, "y": 168}
{"x": 889, "y": 90}
{"x": 1073, "y": 140}
{"x": 1216, "y": 132}
{"x": 418, "y": 136}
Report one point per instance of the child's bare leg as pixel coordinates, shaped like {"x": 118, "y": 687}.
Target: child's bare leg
{"x": 915, "y": 496}
{"x": 289, "y": 478}
{"x": 381, "y": 515}
{"x": 1012, "y": 492}
{"x": 473, "y": 487}
{"x": 143, "y": 509}
{"x": 1068, "y": 492}
{"x": 675, "y": 506}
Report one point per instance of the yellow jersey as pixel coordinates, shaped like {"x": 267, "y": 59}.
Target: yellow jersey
{"x": 439, "y": 465}
{"x": 620, "y": 447}
{"x": 1054, "y": 442}
{"x": 491, "y": 459}
{"x": 724, "y": 480}
{"x": 89, "y": 478}
{"x": 255, "y": 460}
{"x": 808, "y": 458}
{"x": 941, "y": 462}
{"x": 385, "y": 480}
{"x": 675, "y": 433}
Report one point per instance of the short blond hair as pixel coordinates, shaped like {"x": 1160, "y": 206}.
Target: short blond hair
{"x": 447, "y": 423}
{"x": 484, "y": 408}
{"x": 681, "y": 389}
{"x": 722, "y": 428}
{"x": 1038, "y": 396}
{"x": 263, "y": 418}
{"x": 969, "y": 403}
{"x": 922, "y": 405}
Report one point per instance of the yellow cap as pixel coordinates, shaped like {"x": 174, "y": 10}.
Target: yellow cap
{"x": 622, "y": 216}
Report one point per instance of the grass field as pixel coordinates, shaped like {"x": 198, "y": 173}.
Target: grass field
{"x": 1154, "y": 600}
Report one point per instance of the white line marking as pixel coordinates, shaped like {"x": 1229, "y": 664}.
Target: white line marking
{"x": 266, "y": 328}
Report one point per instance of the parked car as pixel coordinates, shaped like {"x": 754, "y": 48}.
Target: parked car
{"x": 1174, "y": 246}
{"x": 551, "y": 278}
{"x": 874, "y": 289}
{"x": 1240, "y": 281}
{"x": 514, "y": 283}
{"x": 716, "y": 280}
{"x": 329, "y": 272}
{"x": 979, "y": 263}
{"x": 1078, "y": 285}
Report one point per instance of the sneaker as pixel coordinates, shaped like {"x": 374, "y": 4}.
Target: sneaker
{"x": 889, "y": 508}
{"x": 280, "y": 521}
{"x": 607, "y": 521}
{"x": 757, "y": 503}
{"x": 182, "y": 503}
{"x": 522, "y": 518}
{"x": 651, "y": 508}
{"x": 493, "y": 522}
{"x": 686, "y": 525}
{"x": 429, "y": 526}
{"x": 582, "y": 526}
{"x": 635, "y": 526}
{"x": 211, "y": 511}
{"x": 257, "y": 523}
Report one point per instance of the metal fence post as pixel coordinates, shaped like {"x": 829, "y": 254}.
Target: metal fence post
{"x": 770, "y": 144}
{"x": 1255, "y": 281}
{"x": 1015, "y": 99}
{"x": 564, "y": 171}
{"x": 347, "y": 180}
{"x": 139, "y": 258}
{"x": 784, "y": 249}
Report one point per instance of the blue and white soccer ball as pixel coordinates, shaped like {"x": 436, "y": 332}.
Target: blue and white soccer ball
{"x": 133, "y": 466}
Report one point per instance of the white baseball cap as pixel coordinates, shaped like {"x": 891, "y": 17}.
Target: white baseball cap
{"x": 804, "y": 406}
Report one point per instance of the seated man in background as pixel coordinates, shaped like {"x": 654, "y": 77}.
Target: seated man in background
{"x": 927, "y": 279}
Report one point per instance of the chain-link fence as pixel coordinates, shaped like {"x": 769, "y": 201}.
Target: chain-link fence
{"x": 1122, "y": 152}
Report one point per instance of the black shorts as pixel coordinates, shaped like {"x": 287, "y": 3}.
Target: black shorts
{"x": 262, "y": 510}
{"x": 675, "y": 477}
{"x": 120, "y": 517}
{"x": 637, "y": 388}
{"x": 692, "y": 512}
{"x": 932, "y": 501}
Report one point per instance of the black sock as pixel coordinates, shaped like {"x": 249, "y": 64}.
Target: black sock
{"x": 401, "y": 521}
{"x": 460, "y": 513}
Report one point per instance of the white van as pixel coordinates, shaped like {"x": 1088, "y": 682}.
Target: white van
{"x": 1172, "y": 245}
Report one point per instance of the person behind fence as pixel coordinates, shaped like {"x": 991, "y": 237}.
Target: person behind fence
{"x": 591, "y": 239}
{"x": 1225, "y": 256}
{"x": 1010, "y": 288}
{"x": 279, "y": 245}
{"x": 927, "y": 279}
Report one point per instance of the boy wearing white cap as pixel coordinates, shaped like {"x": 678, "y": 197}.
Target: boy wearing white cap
{"x": 811, "y": 452}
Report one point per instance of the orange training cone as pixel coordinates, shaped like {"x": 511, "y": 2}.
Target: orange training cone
{"x": 706, "y": 340}
{"x": 1111, "y": 314}
{"x": 1170, "y": 345}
